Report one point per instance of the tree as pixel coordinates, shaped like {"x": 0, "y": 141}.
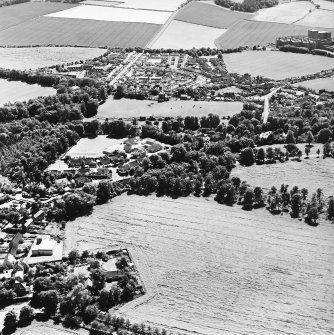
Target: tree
{"x": 324, "y": 135}
{"x": 330, "y": 209}
{"x": 296, "y": 204}
{"x": 103, "y": 192}
{"x": 260, "y": 156}
{"x": 128, "y": 293}
{"x": 258, "y": 196}
{"x": 247, "y": 157}
{"x": 307, "y": 151}
{"x": 73, "y": 255}
{"x": 49, "y": 300}
{"x": 10, "y": 321}
{"x": 98, "y": 279}
{"x": 89, "y": 314}
{"x": 309, "y": 138}
{"x": 249, "y": 198}
{"x": 26, "y": 315}
{"x": 312, "y": 216}
{"x": 290, "y": 137}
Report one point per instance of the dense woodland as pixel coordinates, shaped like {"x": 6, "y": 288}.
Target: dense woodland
{"x": 247, "y": 5}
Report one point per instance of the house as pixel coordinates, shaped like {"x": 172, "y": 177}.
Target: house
{"x": 43, "y": 246}
{"x": 9, "y": 261}
{"x": 109, "y": 268}
{"x": 39, "y": 215}
{"x": 28, "y": 223}
{"x": 14, "y": 244}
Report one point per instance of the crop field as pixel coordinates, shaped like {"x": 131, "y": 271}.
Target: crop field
{"x": 12, "y": 91}
{"x": 323, "y": 17}
{"x": 275, "y": 64}
{"x": 324, "y": 4}
{"x": 249, "y": 33}
{"x": 127, "y": 108}
{"x": 184, "y": 35}
{"x": 113, "y": 14}
{"x": 160, "y": 5}
{"x": 34, "y": 58}
{"x": 284, "y": 13}
{"x": 318, "y": 84}
{"x": 16, "y": 14}
{"x": 309, "y": 173}
{"x": 212, "y": 269}
{"x": 209, "y": 15}
{"x": 61, "y": 31}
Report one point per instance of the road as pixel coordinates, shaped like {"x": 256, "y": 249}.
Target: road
{"x": 266, "y": 105}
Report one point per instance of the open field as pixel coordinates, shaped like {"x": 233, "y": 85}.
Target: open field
{"x": 249, "y": 33}
{"x": 318, "y": 84}
{"x": 209, "y": 15}
{"x": 12, "y": 91}
{"x": 60, "y": 31}
{"x": 324, "y": 4}
{"x": 324, "y": 17}
{"x": 184, "y": 35}
{"x": 113, "y": 14}
{"x": 43, "y": 328}
{"x": 127, "y": 108}
{"x": 16, "y": 14}
{"x": 34, "y": 58}
{"x": 284, "y": 13}
{"x": 275, "y": 64}
{"x": 212, "y": 269}
{"x": 170, "y": 5}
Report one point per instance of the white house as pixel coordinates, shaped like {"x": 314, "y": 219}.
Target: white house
{"x": 43, "y": 246}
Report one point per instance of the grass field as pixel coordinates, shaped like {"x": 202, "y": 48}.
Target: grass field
{"x": 323, "y": 17}
{"x": 113, "y": 14}
{"x": 184, "y": 35}
{"x": 61, "y": 31}
{"x": 34, "y": 58}
{"x": 318, "y": 84}
{"x": 212, "y": 269}
{"x": 127, "y": 108}
{"x": 249, "y": 33}
{"x": 12, "y": 91}
{"x": 16, "y": 14}
{"x": 275, "y": 64}
{"x": 209, "y": 15}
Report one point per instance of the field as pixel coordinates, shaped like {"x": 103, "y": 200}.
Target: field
{"x": 192, "y": 36}
{"x": 249, "y": 33}
{"x": 127, "y": 108}
{"x": 11, "y": 91}
{"x": 212, "y": 269}
{"x": 324, "y": 4}
{"x": 17, "y": 14}
{"x": 275, "y": 64}
{"x": 42, "y": 328}
{"x": 112, "y": 14}
{"x": 318, "y": 84}
{"x": 284, "y": 13}
{"x": 34, "y": 58}
{"x": 323, "y": 17}
{"x": 209, "y": 15}
{"x": 170, "y": 5}
{"x": 61, "y": 31}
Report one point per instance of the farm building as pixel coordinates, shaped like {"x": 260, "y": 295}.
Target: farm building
{"x": 109, "y": 269}
{"x": 43, "y": 246}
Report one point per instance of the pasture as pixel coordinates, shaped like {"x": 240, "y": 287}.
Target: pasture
{"x": 325, "y": 18}
{"x": 207, "y": 14}
{"x": 34, "y": 58}
{"x": 318, "y": 84}
{"x": 112, "y": 14}
{"x": 212, "y": 269}
{"x": 61, "y": 31}
{"x": 126, "y": 108}
{"x": 12, "y": 91}
{"x": 184, "y": 35}
{"x": 275, "y": 64}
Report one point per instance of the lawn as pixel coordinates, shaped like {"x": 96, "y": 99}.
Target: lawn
{"x": 113, "y": 14}
{"x": 12, "y": 91}
{"x": 275, "y": 64}
{"x": 126, "y": 108}
{"x": 184, "y": 35}
{"x": 325, "y": 18}
{"x": 318, "y": 84}
{"x": 209, "y": 15}
{"x": 63, "y": 31}
{"x": 34, "y": 58}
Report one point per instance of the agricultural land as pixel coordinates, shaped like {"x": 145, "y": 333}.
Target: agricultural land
{"x": 318, "y": 84}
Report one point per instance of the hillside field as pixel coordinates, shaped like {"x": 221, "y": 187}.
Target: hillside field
{"x": 323, "y": 17}
{"x": 211, "y": 269}
{"x": 34, "y": 58}
{"x": 318, "y": 84}
{"x": 275, "y": 64}
{"x": 126, "y": 108}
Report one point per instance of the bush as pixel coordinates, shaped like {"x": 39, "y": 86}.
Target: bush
{"x": 26, "y": 315}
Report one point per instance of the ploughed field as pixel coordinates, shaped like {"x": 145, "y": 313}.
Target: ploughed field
{"x": 212, "y": 269}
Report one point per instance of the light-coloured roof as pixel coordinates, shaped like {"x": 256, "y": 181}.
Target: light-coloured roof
{"x": 110, "y": 265}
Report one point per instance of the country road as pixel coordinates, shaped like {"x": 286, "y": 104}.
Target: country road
{"x": 266, "y": 105}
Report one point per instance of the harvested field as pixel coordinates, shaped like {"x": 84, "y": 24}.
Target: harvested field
{"x": 284, "y": 13}
{"x": 318, "y": 84}
{"x": 113, "y": 14}
{"x": 127, "y": 108}
{"x": 212, "y": 269}
{"x": 192, "y": 36}
{"x": 170, "y": 5}
{"x": 12, "y": 91}
{"x": 34, "y": 58}
{"x": 324, "y": 4}
{"x": 48, "y": 327}
{"x": 249, "y": 33}
{"x": 210, "y": 15}
{"x": 324, "y": 17}
{"x": 60, "y": 31}
{"x": 275, "y": 64}
{"x": 16, "y": 14}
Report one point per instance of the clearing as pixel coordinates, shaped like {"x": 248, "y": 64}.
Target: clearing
{"x": 318, "y": 84}
{"x": 127, "y": 108}
{"x": 210, "y": 15}
{"x": 12, "y": 91}
{"x": 61, "y": 31}
{"x": 285, "y": 13}
{"x": 324, "y": 17}
{"x": 183, "y": 35}
{"x": 275, "y": 64}
{"x": 34, "y": 58}
{"x": 213, "y": 269}
{"x": 113, "y": 14}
